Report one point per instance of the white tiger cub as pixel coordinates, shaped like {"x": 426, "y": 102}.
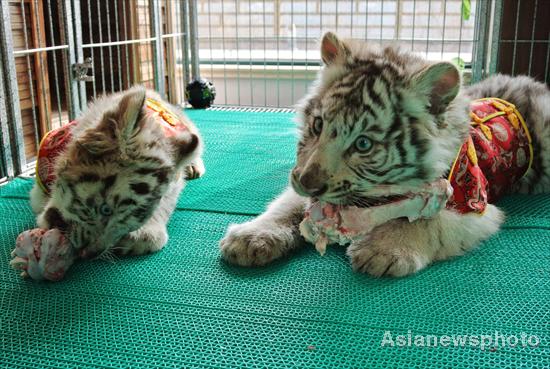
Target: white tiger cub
{"x": 384, "y": 117}
{"x": 110, "y": 180}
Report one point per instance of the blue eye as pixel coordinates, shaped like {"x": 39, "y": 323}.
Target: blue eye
{"x": 105, "y": 210}
{"x": 363, "y": 144}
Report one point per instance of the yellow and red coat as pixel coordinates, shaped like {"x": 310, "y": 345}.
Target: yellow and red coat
{"x": 495, "y": 156}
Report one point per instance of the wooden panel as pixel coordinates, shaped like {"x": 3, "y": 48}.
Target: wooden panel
{"x": 168, "y": 26}
{"x": 26, "y": 27}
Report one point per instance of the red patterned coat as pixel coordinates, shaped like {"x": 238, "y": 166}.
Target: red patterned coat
{"x": 496, "y": 154}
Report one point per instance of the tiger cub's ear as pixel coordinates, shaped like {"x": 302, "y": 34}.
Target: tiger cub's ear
{"x": 333, "y": 49}
{"x": 126, "y": 116}
{"x": 441, "y": 83}
{"x": 116, "y": 126}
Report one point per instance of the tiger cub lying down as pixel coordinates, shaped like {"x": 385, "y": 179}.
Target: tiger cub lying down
{"x": 380, "y": 124}
{"x": 110, "y": 180}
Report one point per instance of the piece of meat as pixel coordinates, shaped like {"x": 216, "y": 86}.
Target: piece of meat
{"x": 42, "y": 254}
{"x": 325, "y": 223}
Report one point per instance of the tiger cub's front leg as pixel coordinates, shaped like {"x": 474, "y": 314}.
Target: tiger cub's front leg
{"x": 151, "y": 237}
{"x": 399, "y": 248}
{"x": 268, "y": 237}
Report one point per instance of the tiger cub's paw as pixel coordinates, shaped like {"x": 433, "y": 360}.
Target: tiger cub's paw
{"x": 195, "y": 170}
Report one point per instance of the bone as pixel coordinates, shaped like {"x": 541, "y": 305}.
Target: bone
{"x": 329, "y": 224}
{"x": 421, "y": 205}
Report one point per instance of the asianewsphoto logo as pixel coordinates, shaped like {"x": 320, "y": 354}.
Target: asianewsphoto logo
{"x": 483, "y": 341}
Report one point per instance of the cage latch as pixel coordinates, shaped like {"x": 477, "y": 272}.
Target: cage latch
{"x": 81, "y": 70}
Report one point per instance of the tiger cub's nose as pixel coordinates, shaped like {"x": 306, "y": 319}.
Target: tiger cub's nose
{"x": 313, "y": 181}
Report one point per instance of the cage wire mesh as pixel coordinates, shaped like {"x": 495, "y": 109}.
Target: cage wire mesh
{"x": 265, "y": 53}
{"x": 35, "y": 55}
{"x": 134, "y": 42}
{"x": 112, "y": 44}
{"x": 258, "y": 53}
{"x": 523, "y": 45}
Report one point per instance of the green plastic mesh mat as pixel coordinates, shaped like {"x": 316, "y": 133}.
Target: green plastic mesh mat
{"x": 249, "y": 158}
{"x": 185, "y": 308}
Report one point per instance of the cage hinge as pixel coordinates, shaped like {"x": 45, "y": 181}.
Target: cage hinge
{"x": 81, "y": 70}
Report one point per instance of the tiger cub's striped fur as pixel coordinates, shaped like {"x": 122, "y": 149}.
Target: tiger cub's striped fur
{"x": 378, "y": 117}
{"x": 119, "y": 177}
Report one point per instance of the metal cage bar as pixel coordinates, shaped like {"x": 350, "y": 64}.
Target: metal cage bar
{"x": 260, "y": 53}
{"x": 77, "y": 87}
{"x": 480, "y": 36}
{"x": 523, "y": 43}
{"x": 156, "y": 30}
{"x": 6, "y": 164}
{"x": 142, "y": 48}
{"x": 184, "y": 11}
{"x": 494, "y": 36}
{"x": 265, "y": 53}
{"x": 193, "y": 39}
{"x": 71, "y": 85}
{"x": 59, "y": 38}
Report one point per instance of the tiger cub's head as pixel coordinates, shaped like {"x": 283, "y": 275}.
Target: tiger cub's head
{"x": 115, "y": 170}
{"x": 376, "y": 118}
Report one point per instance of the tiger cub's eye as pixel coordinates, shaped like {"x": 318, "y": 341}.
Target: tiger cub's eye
{"x": 318, "y": 125}
{"x": 105, "y": 210}
{"x": 363, "y": 144}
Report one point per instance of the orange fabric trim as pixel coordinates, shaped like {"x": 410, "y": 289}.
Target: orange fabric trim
{"x": 173, "y": 125}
